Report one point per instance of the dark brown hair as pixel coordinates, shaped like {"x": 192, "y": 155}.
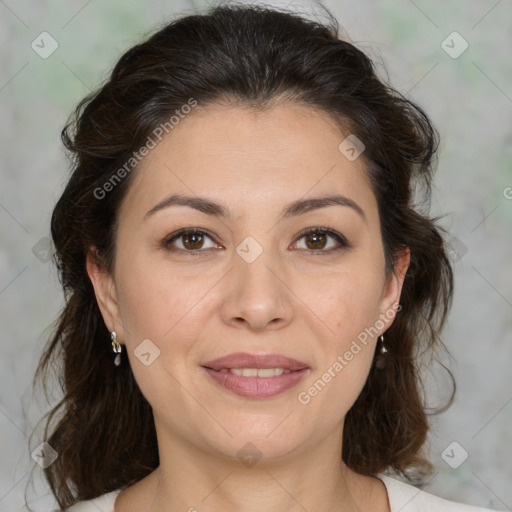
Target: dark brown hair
{"x": 252, "y": 57}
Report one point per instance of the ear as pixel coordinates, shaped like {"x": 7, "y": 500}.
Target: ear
{"x": 106, "y": 294}
{"x": 393, "y": 288}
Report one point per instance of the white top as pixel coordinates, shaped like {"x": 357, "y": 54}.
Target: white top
{"x": 402, "y": 498}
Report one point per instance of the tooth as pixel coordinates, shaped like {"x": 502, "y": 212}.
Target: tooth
{"x": 256, "y": 372}
{"x": 267, "y": 372}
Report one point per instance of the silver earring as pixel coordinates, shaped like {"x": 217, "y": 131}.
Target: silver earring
{"x": 383, "y": 349}
{"x": 381, "y": 358}
{"x": 116, "y": 347}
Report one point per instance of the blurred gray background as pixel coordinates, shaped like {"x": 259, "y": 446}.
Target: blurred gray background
{"x": 452, "y": 58}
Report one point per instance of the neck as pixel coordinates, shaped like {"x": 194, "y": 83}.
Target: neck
{"x": 191, "y": 479}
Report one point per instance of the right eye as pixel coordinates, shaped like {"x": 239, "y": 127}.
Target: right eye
{"x": 192, "y": 240}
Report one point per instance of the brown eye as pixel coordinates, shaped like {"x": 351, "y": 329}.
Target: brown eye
{"x": 192, "y": 240}
{"x": 316, "y": 240}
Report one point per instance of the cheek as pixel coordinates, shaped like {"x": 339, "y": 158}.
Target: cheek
{"x": 165, "y": 305}
{"x": 152, "y": 299}
{"x": 347, "y": 351}
{"x": 348, "y": 302}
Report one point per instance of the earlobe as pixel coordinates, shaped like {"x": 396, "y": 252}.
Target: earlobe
{"x": 105, "y": 292}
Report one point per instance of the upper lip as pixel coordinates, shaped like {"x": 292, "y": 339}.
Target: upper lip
{"x": 246, "y": 360}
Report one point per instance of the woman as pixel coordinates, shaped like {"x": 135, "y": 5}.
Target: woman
{"x": 248, "y": 286}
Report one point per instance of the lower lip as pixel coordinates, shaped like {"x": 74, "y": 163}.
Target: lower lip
{"x": 257, "y": 387}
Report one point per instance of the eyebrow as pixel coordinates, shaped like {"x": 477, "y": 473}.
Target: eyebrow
{"x": 293, "y": 209}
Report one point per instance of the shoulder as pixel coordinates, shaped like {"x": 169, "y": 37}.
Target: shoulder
{"x": 103, "y": 503}
{"x": 405, "y": 497}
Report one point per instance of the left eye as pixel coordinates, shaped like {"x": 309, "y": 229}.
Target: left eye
{"x": 193, "y": 239}
{"x": 317, "y": 237}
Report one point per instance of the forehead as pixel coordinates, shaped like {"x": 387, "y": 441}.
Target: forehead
{"x": 250, "y": 159}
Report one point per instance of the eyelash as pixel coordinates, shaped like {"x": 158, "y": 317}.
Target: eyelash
{"x": 342, "y": 241}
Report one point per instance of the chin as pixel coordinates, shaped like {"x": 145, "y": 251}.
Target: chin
{"x": 254, "y": 445}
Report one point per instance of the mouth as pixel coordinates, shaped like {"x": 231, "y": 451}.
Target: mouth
{"x": 246, "y": 361}
{"x": 256, "y": 376}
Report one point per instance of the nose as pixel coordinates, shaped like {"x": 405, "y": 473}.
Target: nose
{"x": 257, "y": 295}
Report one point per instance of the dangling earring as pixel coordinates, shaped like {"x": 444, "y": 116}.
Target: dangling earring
{"x": 116, "y": 347}
{"x": 381, "y": 357}
{"x": 383, "y": 349}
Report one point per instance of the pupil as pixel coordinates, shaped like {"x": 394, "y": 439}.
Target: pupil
{"x": 190, "y": 236}
{"x": 318, "y": 239}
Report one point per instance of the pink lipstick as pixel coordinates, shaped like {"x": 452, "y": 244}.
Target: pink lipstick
{"x": 256, "y": 376}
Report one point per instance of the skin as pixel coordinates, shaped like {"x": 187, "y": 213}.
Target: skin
{"x": 291, "y": 300}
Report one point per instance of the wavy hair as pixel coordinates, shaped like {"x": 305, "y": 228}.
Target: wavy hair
{"x": 253, "y": 57}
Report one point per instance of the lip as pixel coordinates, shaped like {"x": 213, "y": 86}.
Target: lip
{"x": 246, "y": 360}
{"x": 256, "y": 387}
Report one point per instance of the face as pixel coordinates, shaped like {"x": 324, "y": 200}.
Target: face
{"x": 248, "y": 278}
